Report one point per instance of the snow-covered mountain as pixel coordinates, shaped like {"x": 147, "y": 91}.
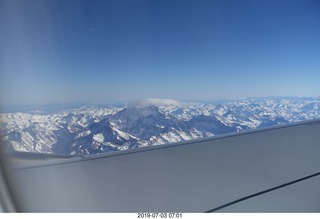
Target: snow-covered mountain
{"x": 94, "y": 129}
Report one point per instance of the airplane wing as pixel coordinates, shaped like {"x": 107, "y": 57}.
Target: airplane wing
{"x": 266, "y": 170}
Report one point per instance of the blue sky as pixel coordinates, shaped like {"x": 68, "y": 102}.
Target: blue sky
{"x": 71, "y": 51}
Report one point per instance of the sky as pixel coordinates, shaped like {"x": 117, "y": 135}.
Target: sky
{"x": 57, "y": 51}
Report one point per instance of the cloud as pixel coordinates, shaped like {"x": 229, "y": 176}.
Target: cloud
{"x": 160, "y": 102}
{"x": 157, "y": 102}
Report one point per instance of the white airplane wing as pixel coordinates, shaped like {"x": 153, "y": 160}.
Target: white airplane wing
{"x": 267, "y": 170}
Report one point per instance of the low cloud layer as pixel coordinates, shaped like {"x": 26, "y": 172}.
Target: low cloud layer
{"x": 156, "y": 102}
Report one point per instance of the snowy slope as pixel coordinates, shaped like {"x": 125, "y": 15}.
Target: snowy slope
{"x": 94, "y": 129}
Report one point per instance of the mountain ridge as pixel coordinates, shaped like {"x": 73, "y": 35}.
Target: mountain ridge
{"x": 94, "y": 129}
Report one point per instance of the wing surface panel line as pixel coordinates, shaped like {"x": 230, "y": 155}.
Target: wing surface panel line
{"x": 262, "y": 192}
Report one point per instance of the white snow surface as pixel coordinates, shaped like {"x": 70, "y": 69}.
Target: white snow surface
{"x": 92, "y": 129}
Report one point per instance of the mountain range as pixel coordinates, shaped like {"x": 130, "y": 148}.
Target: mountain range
{"x": 95, "y": 128}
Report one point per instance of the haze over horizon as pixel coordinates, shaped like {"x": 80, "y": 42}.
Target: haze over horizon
{"x": 84, "y": 51}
